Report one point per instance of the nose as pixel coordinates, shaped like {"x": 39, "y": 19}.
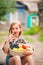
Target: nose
{"x": 15, "y": 30}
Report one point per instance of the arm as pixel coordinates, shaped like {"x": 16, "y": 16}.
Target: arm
{"x": 6, "y": 47}
{"x": 30, "y": 52}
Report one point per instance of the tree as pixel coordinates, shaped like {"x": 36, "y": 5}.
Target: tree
{"x": 6, "y": 6}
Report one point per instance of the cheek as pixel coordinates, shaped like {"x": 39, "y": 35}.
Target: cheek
{"x": 12, "y": 31}
{"x": 19, "y": 31}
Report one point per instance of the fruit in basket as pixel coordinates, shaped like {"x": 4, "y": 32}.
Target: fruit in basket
{"x": 18, "y": 49}
{"x": 15, "y": 49}
{"x": 21, "y": 47}
{"x": 26, "y": 47}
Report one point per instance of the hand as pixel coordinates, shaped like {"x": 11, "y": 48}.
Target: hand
{"x": 10, "y": 38}
{"x": 30, "y": 52}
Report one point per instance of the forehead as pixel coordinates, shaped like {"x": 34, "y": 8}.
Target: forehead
{"x": 15, "y": 25}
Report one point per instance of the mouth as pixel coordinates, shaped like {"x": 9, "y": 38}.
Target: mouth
{"x": 15, "y": 33}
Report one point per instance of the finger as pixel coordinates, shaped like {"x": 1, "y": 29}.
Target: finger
{"x": 10, "y": 35}
{"x": 11, "y": 39}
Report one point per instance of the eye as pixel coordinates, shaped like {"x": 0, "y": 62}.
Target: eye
{"x": 12, "y": 28}
{"x": 16, "y": 28}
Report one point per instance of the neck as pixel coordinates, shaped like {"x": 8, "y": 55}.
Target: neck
{"x": 16, "y": 37}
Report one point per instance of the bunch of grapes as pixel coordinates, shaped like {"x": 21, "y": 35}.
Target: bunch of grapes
{"x": 14, "y": 46}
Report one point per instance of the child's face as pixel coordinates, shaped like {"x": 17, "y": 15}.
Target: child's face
{"x": 16, "y": 30}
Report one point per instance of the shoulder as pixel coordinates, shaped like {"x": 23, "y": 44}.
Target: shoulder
{"x": 21, "y": 39}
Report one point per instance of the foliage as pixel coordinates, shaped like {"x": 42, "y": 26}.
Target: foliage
{"x": 32, "y": 31}
{"x": 6, "y": 6}
{"x": 40, "y": 38}
{"x": 4, "y": 19}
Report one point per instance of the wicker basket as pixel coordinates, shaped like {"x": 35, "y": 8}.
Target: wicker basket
{"x": 13, "y": 53}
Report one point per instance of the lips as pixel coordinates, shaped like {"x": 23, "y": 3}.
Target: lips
{"x": 14, "y": 32}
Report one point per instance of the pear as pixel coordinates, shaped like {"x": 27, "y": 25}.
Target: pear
{"x": 28, "y": 49}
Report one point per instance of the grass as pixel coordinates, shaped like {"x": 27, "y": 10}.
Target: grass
{"x": 2, "y": 40}
{"x": 40, "y": 38}
{"x": 31, "y": 31}
{"x": 3, "y": 33}
{"x": 25, "y": 34}
{"x": 29, "y": 40}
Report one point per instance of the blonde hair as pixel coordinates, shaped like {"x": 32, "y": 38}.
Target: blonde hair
{"x": 20, "y": 26}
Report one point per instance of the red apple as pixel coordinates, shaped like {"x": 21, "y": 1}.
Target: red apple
{"x": 24, "y": 46}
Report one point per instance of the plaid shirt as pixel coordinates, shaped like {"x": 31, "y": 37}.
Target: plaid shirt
{"x": 20, "y": 40}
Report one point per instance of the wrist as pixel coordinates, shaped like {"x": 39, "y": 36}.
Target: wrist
{"x": 7, "y": 41}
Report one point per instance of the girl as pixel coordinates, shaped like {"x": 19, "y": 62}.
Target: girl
{"x": 14, "y": 37}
